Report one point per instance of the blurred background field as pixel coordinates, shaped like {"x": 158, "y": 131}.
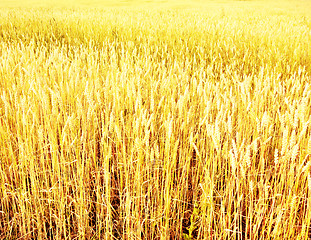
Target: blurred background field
{"x": 290, "y": 6}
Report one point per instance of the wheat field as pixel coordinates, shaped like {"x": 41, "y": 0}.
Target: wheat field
{"x": 155, "y": 120}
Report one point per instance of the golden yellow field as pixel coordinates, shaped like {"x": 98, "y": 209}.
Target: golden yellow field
{"x": 155, "y": 119}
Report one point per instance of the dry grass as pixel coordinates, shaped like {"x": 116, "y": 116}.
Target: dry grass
{"x": 164, "y": 124}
